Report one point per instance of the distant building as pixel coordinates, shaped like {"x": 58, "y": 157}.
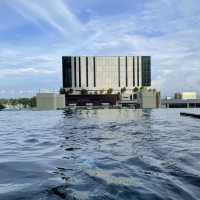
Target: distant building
{"x": 96, "y": 73}
{"x": 50, "y": 101}
{"x": 116, "y": 80}
{"x": 181, "y": 103}
{"x": 145, "y": 98}
{"x": 186, "y": 95}
{"x": 177, "y": 95}
{"x": 149, "y": 99}
{"x": 182, "y": 100}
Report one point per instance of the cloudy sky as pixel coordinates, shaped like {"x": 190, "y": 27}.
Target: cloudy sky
{"x": 34, "y": 34}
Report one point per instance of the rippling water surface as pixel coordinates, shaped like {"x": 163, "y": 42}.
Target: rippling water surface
{"x": 99, "y": 154}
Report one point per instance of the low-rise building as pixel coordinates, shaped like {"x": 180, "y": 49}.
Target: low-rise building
{"x": 50, "y": 101}
{"x": 185, "y": 95}
{"x": 181, "y": 103}
{"x": 149, "y": 99}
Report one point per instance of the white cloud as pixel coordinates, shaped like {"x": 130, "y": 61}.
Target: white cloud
{"x": 167, "y": 31}
{"x": 24, "y": 72}
{"x": 55, "y": 13}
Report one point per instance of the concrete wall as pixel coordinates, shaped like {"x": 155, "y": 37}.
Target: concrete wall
{"x": 50, "y": 101}
{"x": 149, "y": 99}
{"x": 60, "y": 101}
{"x": 189, "y": 95}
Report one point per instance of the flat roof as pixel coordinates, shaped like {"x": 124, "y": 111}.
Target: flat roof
{"x": 179, "y": 101}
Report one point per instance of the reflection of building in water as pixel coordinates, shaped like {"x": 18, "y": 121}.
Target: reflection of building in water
{"x": 114, "y": 115}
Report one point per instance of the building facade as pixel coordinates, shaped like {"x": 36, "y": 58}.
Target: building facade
{"x": 185, "y": 95}
{"x": 149, "y": 99}
{"x": 50, "y": 101}
{"x": 101, "y": 73}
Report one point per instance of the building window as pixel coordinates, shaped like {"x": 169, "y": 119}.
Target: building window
{"x": 119, "y": 73}
{"x": 146, "y": 71}
{"x": 75, "y": 71}
{"x": 126, "y": 71}
{"x": 87, "y": 84}
{"x": 138, "y": 71}
{"x": 79, "y": 71}
{"x": 133, "y": 71}
{"x": 94, "y": 64}
{"x": 67, "y": 72}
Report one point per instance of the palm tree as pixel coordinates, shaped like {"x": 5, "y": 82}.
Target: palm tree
{"x": 123, "y": 90}
{"x": 135, "y": 89}
{"x": 84, "y": 92}
{"x": 109, "y": 91}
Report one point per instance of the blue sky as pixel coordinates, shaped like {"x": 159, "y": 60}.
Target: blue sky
{"x": 34, "y": 34}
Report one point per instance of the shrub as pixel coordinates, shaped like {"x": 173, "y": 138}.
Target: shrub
{"x": 101, "y": 91}
{"x": 109, "y": 91}
{"x": 84, "y": 92}
{"x": 70, "y": 91}
{"x": 62, "y": 91}
{"x": 135, "y": 89}
{"x": 33, "y": 102}
{"x": 123, "y": 90}
{"x": 2, "y": 106}
{"x": 135, "y": 96}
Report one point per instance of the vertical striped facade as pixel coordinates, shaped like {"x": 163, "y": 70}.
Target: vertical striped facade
{"x": 99, "y": 72}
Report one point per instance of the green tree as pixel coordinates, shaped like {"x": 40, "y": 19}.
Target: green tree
{"x": 70, "y": 91}
{"x": 84, "y": 92}
{"x": 110, "y": 91}
{"x": 141, "y": 88}
{"x": 2, "y": 106}
{"x": 33, "y": 102}
{"x": 62, "y": 91}
{"x": 123, "y": 90}
{"x": 101, "y": 91}
{"x": 135, "y": 89}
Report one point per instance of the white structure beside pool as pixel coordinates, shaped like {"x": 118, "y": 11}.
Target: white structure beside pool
{"x": 50, "y": 101}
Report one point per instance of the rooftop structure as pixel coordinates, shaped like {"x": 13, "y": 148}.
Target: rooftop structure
{"x": 50, "y": 101}
{"x": 186, "y": 95}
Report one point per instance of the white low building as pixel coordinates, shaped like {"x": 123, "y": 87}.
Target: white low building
{"x": 149, "y": 99}
{"x": 186, "y": 95}
{"x": 189, "y": 95}
{"x": 50, "y": 101}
